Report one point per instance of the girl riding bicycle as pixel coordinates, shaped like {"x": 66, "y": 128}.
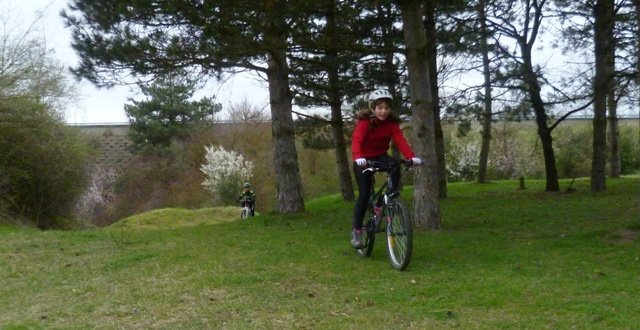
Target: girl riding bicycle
{"x": 375, "y": 128}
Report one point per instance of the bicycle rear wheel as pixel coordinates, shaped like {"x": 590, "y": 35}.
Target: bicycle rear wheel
{"x": 399, "y": 235}
{"x": 368, "y": 234}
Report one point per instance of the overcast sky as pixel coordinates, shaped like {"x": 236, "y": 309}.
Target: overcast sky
{"x": 107, "y": 105}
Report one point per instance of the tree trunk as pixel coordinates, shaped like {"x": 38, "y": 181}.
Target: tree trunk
{"x": 432, "y": 55}
{"x": 487, "y": 111}
{"x": 288, "y": 183}
{"x": 337, "y": 122}
{"x": 613, "y": 134}
{"x": 612, "y": 106}
{"x": 426, "y": 205}
{"x": 603, "y": 37}
{"x": 544, "y": 132}
{"x": 342, "y": 159}
{"x": 636, "y": 4}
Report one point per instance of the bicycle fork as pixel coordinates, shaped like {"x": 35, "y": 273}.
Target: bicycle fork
{"x": 384, "y": 212}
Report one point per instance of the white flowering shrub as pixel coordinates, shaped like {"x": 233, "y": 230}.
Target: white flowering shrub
{"x": 513, "y": 156}
{"x": 225, "y": 171}
{"x": 514, "y": 161}
{"x": 462, "y": 159}
{"x": 98, "y": 196}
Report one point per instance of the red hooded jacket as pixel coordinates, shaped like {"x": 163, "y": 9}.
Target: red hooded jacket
{"x": 367, "y": 143}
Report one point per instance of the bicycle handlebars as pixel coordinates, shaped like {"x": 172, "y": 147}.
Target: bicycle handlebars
{"x": 377, "y": 166}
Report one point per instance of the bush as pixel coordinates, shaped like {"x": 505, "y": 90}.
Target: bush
{"x": 629, "y": 150}
{"x": 95, "y": 203}
{"x": 253, "y": 141}
{"x": 163, "y": 178}
{"x": 462, "y": 158}
{"x": 514, "y": 151}
{"x": 43, "y": 164}
{"x": 171, "y": 177}
{"x": 224, "y": 173}
{"x": 573, "y": 149}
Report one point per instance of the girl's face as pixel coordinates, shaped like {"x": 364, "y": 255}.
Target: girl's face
{"x": 382, "y": 109}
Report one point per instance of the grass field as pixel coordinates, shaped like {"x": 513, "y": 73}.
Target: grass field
{"x": 505, "y": 258}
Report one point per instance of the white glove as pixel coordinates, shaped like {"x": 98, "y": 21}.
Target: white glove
{"x": 361, "y": 162}
{"x": 416, "y": 161}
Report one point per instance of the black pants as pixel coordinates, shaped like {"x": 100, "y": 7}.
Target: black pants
{"x": 364, "y": 187}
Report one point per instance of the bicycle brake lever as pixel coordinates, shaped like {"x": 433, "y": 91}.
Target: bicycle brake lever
{"x": 369, "y": 169}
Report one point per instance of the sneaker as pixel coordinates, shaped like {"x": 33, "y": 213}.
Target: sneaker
{"x": 356, "y": 239}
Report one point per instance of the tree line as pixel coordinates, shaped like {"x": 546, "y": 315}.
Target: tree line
{"x": 329, "y": 53}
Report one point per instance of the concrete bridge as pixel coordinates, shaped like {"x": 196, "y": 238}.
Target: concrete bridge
{"x": 111, "y": 142}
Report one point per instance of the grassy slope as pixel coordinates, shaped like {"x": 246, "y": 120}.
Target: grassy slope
{"x": 504, "y": 259}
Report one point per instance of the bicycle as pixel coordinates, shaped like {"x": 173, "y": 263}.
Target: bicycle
{"x": 246, "y": 208}
{"x": 384, "y": 204}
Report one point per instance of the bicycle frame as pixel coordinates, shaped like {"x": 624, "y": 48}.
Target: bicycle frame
{"x": 246, "y": 209}
{"x": 397, "y": 225}
{"x": 374, "y": 200}
{"x": 382, "y": 192}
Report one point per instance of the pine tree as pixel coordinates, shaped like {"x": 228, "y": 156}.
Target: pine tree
{"x": 168, "y": 113}
{"x": 117, "y": 39}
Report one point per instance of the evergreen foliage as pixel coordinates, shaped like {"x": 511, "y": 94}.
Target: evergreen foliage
{"x": 168, "y": 112}
{"x": 117, "y": 40}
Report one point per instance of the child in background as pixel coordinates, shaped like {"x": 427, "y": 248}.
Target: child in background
{"x": 248, "y": 196}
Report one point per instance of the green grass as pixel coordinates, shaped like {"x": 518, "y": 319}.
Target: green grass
{"x": 505, "y": 258}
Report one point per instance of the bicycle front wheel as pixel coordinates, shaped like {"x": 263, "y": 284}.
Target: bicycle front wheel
{"x": 244, "y": 214}
{"x": 399, "y": 235}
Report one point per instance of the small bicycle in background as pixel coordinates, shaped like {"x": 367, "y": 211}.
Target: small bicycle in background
{"x": 246, "y": 208}
{"x": 386, "y": 212}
